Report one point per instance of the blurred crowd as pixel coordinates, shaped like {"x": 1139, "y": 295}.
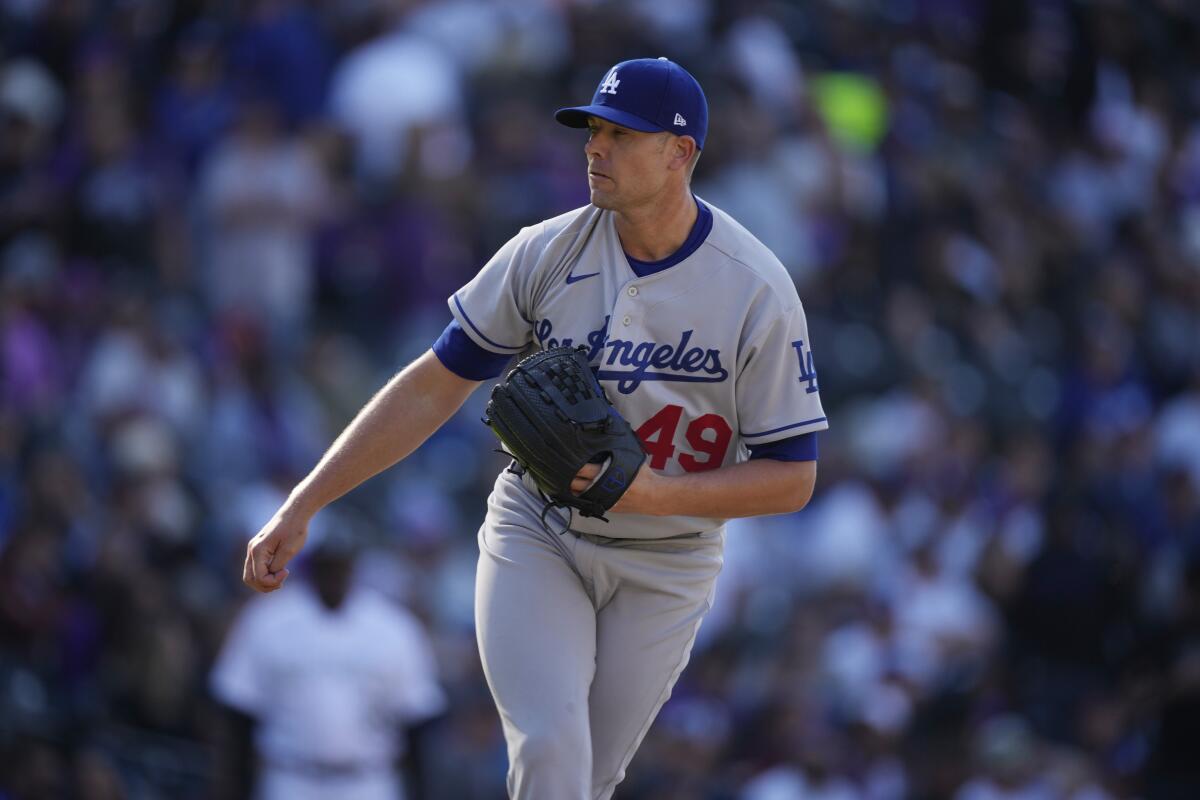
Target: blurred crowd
{"x": 224, "y": 224}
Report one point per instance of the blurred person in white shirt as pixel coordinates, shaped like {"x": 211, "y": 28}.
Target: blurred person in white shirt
{"x": 262, "y": 194}
{"x": 329, "y": 678}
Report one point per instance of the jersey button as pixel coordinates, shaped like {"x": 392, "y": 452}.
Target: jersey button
{"x": 626, "y": 320}
{"x": 633, "y": 291}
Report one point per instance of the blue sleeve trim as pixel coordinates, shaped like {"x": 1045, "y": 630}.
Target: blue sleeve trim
{"x": 459, "y": 354}
{"x": 514, "y": 347}
{"x": 796, "y": 448}
{"x": 784, "y": 428}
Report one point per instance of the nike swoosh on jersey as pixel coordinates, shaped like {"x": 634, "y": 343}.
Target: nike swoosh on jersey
{"x": 574, "y": 278}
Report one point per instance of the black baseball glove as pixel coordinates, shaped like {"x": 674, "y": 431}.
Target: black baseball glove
{"x": 553, "y": 417}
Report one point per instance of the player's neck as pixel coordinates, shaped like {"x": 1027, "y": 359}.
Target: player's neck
{"x": 656, "y": 231}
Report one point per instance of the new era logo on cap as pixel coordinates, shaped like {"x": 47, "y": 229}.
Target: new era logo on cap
{"x": 655, "y": 94}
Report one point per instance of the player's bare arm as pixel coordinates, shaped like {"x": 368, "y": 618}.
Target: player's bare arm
{"x": 402, "y": 415}
{"x": 752, "y": 488}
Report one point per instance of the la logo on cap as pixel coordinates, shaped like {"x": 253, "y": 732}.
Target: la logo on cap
{"x": 610, "y": 82}
{"x": 648, "y": 95}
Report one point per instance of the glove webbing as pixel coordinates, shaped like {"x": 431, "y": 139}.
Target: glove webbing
{"x": 540, "y": 467}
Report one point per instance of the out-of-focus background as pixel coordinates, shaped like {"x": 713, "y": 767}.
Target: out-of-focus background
{"x": 224, "y": 224}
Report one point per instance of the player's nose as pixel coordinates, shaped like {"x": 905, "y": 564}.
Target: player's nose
{"x": 594, "y": 148}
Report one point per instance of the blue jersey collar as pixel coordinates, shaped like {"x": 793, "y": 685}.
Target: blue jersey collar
{"x": 700, "y": 230}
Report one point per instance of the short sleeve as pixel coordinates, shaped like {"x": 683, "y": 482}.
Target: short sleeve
{"x": 795, "y": 448}
{"x": 459, "y": 354}
{"x": 493, "y": 308}
{"x": 778, "y": 395}
{"x": 419, "y": 696}
{"x": 236, "y": 678}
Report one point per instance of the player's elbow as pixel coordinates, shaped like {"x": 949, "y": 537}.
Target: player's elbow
{"x": 802, "y": 479}
{"x": 799, "y": 498}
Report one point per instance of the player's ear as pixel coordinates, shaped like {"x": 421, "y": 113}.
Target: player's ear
{"x": 683, "y": 148}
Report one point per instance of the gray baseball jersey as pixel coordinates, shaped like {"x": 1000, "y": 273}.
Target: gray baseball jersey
{"x": 583, "y": 636}
{"x": 705, "y": 359}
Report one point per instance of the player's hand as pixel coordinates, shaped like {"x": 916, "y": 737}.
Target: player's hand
{"x": 638, "y": 498}
{"x": 583, "y": 479}
{"x": 268, "y": 553}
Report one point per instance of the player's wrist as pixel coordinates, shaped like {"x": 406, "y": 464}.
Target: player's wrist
{"x": 645, "y": 494}
{"x": 299, "y": 508}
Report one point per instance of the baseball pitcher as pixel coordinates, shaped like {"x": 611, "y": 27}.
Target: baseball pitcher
{"x": 654, "y": 318}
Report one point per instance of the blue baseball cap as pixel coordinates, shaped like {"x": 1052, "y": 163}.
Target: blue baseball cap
{"x": 646, "y": 94}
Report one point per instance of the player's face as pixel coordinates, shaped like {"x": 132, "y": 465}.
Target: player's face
{"x": 626, "y": 168}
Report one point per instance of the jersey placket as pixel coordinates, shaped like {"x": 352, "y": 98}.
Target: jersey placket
{"x": 625, "y": 309}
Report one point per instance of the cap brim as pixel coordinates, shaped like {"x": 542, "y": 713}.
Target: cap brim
{"x": 577, "y": 117}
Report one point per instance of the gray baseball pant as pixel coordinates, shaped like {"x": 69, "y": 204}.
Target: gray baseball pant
{"x": 582, "y": 638}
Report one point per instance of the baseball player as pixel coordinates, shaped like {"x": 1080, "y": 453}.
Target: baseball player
{"x": 700, "y": 341}
{"x": 337, "y": 697}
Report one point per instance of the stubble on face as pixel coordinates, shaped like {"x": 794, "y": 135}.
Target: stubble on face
{"x": 603, "y": 190}
{"x": 602, "y": 199}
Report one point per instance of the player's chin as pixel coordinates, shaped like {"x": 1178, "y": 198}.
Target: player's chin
{"x": 602, "y": 199}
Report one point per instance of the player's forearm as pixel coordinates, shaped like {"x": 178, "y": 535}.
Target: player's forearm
{"x": 402, "y": 415}
{"x": 753, "y": 488}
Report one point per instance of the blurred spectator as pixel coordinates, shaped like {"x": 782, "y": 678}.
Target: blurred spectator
{"x": 262, "y": 193}
{"x": 281, "y": 48}
{"x": 116, "y": 196}
{"x": 1005, "y": 751}
{"x": 31, "y": 105}
{"x": 400, "y": 96}
{"x": 196, "y": 104}
{"x": 521, "y": 36}
{"x": 329, "y": 704}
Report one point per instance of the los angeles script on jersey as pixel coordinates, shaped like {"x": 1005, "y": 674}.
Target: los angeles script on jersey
{"x": 642, "y": 361}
